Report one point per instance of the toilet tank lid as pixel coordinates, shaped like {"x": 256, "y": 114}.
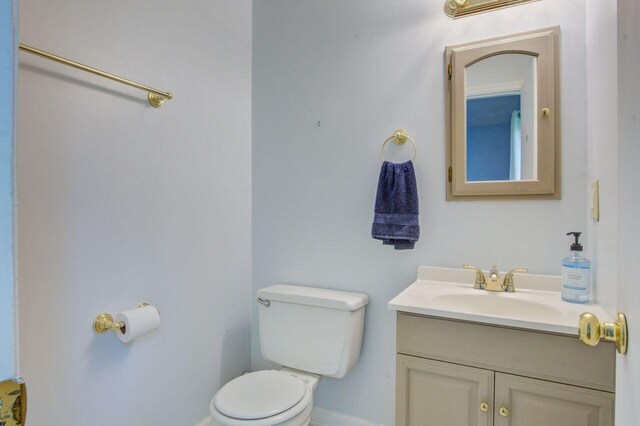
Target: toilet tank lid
{"x": 313, "y": 296}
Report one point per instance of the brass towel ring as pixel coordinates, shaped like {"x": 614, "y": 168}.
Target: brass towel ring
{"x": 400, "y": 136}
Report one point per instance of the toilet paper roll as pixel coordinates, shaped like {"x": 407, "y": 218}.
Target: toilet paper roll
{"x": 137, "y": 322}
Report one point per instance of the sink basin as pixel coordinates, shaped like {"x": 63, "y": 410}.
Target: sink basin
{"x": 502, "y": 304}
{"x": 535, "y": 305}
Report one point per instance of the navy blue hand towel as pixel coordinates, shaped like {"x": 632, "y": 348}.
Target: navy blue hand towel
{"x": 396, "y": 213}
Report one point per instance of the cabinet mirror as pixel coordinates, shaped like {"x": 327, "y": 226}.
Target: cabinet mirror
{"x": 503, "y": 117}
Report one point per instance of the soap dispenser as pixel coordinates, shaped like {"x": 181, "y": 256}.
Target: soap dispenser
{"x": 576, "y": 274}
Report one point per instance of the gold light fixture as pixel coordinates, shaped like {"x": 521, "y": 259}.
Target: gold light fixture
{"x": 461, "y": 8}
{"x": 452, "y": 6}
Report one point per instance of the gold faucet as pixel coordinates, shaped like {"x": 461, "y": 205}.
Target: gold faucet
{"x": 481, "y": 282}
{"x": 495, "y": 283}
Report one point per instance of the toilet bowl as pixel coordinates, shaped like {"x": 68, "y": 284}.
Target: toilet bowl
{"x": 265, "y": 398}
{"x": 314, "y": 332}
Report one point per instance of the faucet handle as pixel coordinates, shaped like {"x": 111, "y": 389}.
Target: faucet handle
{"x": 516, "y": 271}
{"x": 507, "y": 284}
{"x": 481, "y": 282}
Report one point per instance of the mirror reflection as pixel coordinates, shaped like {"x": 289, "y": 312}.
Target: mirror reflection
{"x": 500, "y": 118}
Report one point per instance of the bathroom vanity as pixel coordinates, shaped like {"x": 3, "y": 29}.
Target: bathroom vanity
{"x": 469, "y": 357}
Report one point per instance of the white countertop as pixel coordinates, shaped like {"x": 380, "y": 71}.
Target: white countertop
{"x": 536, "y": 304}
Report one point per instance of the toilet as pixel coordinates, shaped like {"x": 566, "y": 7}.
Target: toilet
{"x": 312, "y": 332}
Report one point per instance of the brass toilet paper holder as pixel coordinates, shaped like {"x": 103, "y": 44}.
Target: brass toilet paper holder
{"x": 104, "y": 322}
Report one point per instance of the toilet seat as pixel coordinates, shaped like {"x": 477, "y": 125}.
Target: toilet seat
{"x": 262, "y": 398}
{"x": 259, "y": 395}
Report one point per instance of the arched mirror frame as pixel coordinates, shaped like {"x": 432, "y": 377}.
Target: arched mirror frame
{"x": 544, "y": 45}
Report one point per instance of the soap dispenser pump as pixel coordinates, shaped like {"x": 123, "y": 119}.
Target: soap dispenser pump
{"x": 576, "y": 274}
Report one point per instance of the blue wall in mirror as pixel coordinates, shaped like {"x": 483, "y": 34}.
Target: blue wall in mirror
{"x": 489, "y": 136}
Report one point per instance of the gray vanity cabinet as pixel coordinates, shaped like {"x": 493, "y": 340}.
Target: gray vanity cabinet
{"x": 439, "y": 393}
{"x": 534, "y": 402}
{"x": 454, "y": 373}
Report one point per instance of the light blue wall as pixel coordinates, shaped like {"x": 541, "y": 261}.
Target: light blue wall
{"x": 603, "y": 89}
{"x": 332, "y": 80}
{"x": 8, "y": 14}
{"x": 120, "y": 202}
{"x": 628, "y": 293}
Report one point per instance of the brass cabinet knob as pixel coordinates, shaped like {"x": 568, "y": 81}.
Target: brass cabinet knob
{"x": 590, "y": 331}
{"x": 503, "y": 411}
{"x": 546, "y": 112}
{"x": 484, "y": 407}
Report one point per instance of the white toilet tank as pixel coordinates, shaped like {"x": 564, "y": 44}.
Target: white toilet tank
{"x": 311, "y": 329}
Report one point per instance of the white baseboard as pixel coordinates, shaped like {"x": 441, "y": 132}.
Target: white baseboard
{"x": 205, "y": 422}
{"x": 320, "y": 417}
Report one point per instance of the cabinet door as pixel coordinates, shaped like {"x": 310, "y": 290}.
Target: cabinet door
{"x": 532, "y": 402}
{"x": 433, "y": 393}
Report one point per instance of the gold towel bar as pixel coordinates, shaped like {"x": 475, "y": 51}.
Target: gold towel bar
{"x": 155, "y": 97}
{"x": 400, "y": 136}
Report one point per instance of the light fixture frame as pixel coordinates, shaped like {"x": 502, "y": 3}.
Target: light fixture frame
{"x": 461, "y": 8}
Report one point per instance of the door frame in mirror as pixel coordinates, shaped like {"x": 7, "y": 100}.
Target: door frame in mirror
{"x": 544, "y": 44}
